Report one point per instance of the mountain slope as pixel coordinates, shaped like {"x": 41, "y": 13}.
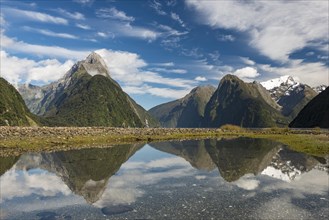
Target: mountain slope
{"x": 291, "y": 95}
{"x": 315, "y": 113}
{"x": 86, "y": 171}
{"x": 13, "y": 110}
{"x": 185, "y": 112}
{"x": 87, "y": 96}
{"x": 193, "y": 151}
{"x": 243, "y": 104}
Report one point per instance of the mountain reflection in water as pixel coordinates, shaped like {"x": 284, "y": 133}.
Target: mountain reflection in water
{"x": 133, "y": 181}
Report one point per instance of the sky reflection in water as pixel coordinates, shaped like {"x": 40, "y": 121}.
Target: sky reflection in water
{"x": 231, "y": 178}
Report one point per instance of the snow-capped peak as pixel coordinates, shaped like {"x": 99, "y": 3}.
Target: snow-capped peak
{"x": 285, "y": 80}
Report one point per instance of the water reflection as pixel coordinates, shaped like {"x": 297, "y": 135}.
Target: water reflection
{"x": 171, "y": 179}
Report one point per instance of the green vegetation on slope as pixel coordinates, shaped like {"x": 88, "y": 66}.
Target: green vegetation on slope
{"x": 92, "y": 101}
{"x": 13, "y": 110}
{"x": 243, "y": 104}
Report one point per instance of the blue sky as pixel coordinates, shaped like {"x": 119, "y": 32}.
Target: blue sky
{"x": 159, "y": 50}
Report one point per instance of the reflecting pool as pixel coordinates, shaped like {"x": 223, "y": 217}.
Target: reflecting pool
{"x": 239, "y": 178}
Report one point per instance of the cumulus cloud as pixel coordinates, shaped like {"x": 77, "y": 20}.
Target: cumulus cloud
{"x": 43, "y": 184}
{"x": 113, "y": 13}
{"x": 17, "y": 70}
{"x": 246, "y": 73}
{"x": 36, "y": 16}
{"x": 129, "y": 70}
{"x": 201, "y": 78}
{"x": 275, "y": 32}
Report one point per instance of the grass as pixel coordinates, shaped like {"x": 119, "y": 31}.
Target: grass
{"x": 315, "y": 142}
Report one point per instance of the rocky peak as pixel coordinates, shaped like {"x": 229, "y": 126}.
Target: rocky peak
{"x": 95, "y": 65}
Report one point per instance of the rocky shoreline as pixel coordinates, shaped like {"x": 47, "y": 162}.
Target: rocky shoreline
{"x": 17, "y": 140}
{"x": 20, "y": 132}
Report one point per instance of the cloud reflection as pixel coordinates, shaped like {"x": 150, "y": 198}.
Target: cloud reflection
{"x": 125, "y": 187}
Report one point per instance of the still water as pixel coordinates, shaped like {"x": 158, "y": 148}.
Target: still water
{"x": 205, "y": 179}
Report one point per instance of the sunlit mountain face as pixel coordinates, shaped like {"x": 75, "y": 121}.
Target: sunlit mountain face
{"x": 241, "y": 176}
{"x": 158, "y": 51}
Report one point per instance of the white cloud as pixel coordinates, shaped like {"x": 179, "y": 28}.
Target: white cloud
{"x": 36, "y": 16}
{"x": 214, "y": 55}
{"x": 50, "y": 33}
{"x": 275, "y": 32}
{"x": 247, "y": 61}
{"x": 160, "y": 92}
{"x": 247, "y": 182}
{"x": 74, "y": 15}
{"x": 17, "y": 70}
{"x": 102, "y": 34}
{"x": 178, "y": 71}
{"x": 177, "y": 18}
{"x": 2, "y": 21}
{"x": 128, "y": 69}
{"x": 138, "y": 32}
{"x": 84, "y": 2}
{"x": 113, "y": 13}
{"x": 15, "y": 185}
{"x": 127, "y": 187}
{"x": 246, "y": 73}
{"x": 201, "y": 78}
{"x": 40, "y": 50}
{"x": 168, "y": 64}
{"x": 225, "y": 38}
{"x": 83, "y": 26}
{"x": 157, "y": 6}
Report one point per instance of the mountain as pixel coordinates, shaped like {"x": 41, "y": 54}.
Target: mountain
{"x": 243, "y": 104}
{"x": 193, "y": 151}
{"x": 86, "y": 171}
{"x": 291, "y": 95}
{"x": 287, "y": 164}
{"x": 315, "y": 113}
{"x": 86, "y": 96}
{"x": 186, "y": 112}
{"x": 13, "y": 110}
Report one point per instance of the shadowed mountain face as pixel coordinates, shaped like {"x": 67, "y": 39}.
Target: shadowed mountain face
{"x": 192, "y": 151}
{"x": 6, "y": 163}
{"x": 187, "y": 112}
{"x": 13, "y": 110}
{"x": 86, "y": 172}
{"x": 243, "y": 104}
{"x": 315, "y": 113}
{"x": 86, "y": 96}
{"x": 237, "y": 157}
